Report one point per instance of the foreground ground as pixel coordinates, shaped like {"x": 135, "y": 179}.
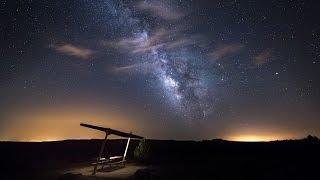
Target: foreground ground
{"x": 216, "y": 159}
{"x": 120, "y": 172}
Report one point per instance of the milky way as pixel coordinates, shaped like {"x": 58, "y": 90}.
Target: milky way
{"x": 172, "y": 64}
{"x": 167, "y": 53}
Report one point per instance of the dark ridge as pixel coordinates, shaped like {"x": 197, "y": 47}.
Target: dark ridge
{"x": 217, "y": 158}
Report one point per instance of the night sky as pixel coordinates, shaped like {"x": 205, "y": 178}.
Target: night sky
{"x": 237, "y": 70}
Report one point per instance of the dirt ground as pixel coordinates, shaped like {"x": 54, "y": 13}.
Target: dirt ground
{"x": 126, "y": 172}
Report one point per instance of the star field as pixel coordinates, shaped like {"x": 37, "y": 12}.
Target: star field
{"x": 217, "y": 67}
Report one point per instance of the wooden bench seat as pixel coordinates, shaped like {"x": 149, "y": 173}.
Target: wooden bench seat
{"x": 110, "y": 161}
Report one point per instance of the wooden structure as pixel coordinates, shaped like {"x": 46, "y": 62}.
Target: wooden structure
{"x": 114, "y": 160}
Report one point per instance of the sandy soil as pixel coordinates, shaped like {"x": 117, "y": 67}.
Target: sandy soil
{"x": 125, "y": 172}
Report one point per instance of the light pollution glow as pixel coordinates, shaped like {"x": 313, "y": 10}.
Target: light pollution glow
{"x": 53, "y": 124}
{"x": 45, "y": 124}
{"x": 255, "y": 138}
{"x": 258, "y": 134}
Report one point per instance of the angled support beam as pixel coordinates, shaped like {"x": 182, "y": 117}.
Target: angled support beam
{"x": 125, "y": 152}
{"x": 112, "y": 131}
{"x": 100, "y": 154}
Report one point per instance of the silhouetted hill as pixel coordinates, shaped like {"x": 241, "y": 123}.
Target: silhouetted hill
{"x": 169, "y": 159}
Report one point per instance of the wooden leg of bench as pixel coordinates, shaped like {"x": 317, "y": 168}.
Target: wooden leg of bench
{"x": 100, "y": 154}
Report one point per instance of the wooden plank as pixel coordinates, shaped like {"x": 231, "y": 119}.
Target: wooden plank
{"x": 112, "y": 131}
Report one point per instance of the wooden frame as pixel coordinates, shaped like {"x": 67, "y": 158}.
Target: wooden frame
{"x": 108, "y": 132}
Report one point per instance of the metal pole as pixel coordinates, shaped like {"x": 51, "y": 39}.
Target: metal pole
{"x": 100, "y": 154}
{"x": 125, "y": 152}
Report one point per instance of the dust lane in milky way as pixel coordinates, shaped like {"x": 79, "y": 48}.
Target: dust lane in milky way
{"x": 166, "y": 69}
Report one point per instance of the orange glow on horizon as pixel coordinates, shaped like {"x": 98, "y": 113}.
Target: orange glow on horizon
{"x": 255, "y": 138}
{"x": 261, "y": 132}
{"x": 44, "y": 140}
{"x": 61, "y": 123}
{"x": 56, "y": 123}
